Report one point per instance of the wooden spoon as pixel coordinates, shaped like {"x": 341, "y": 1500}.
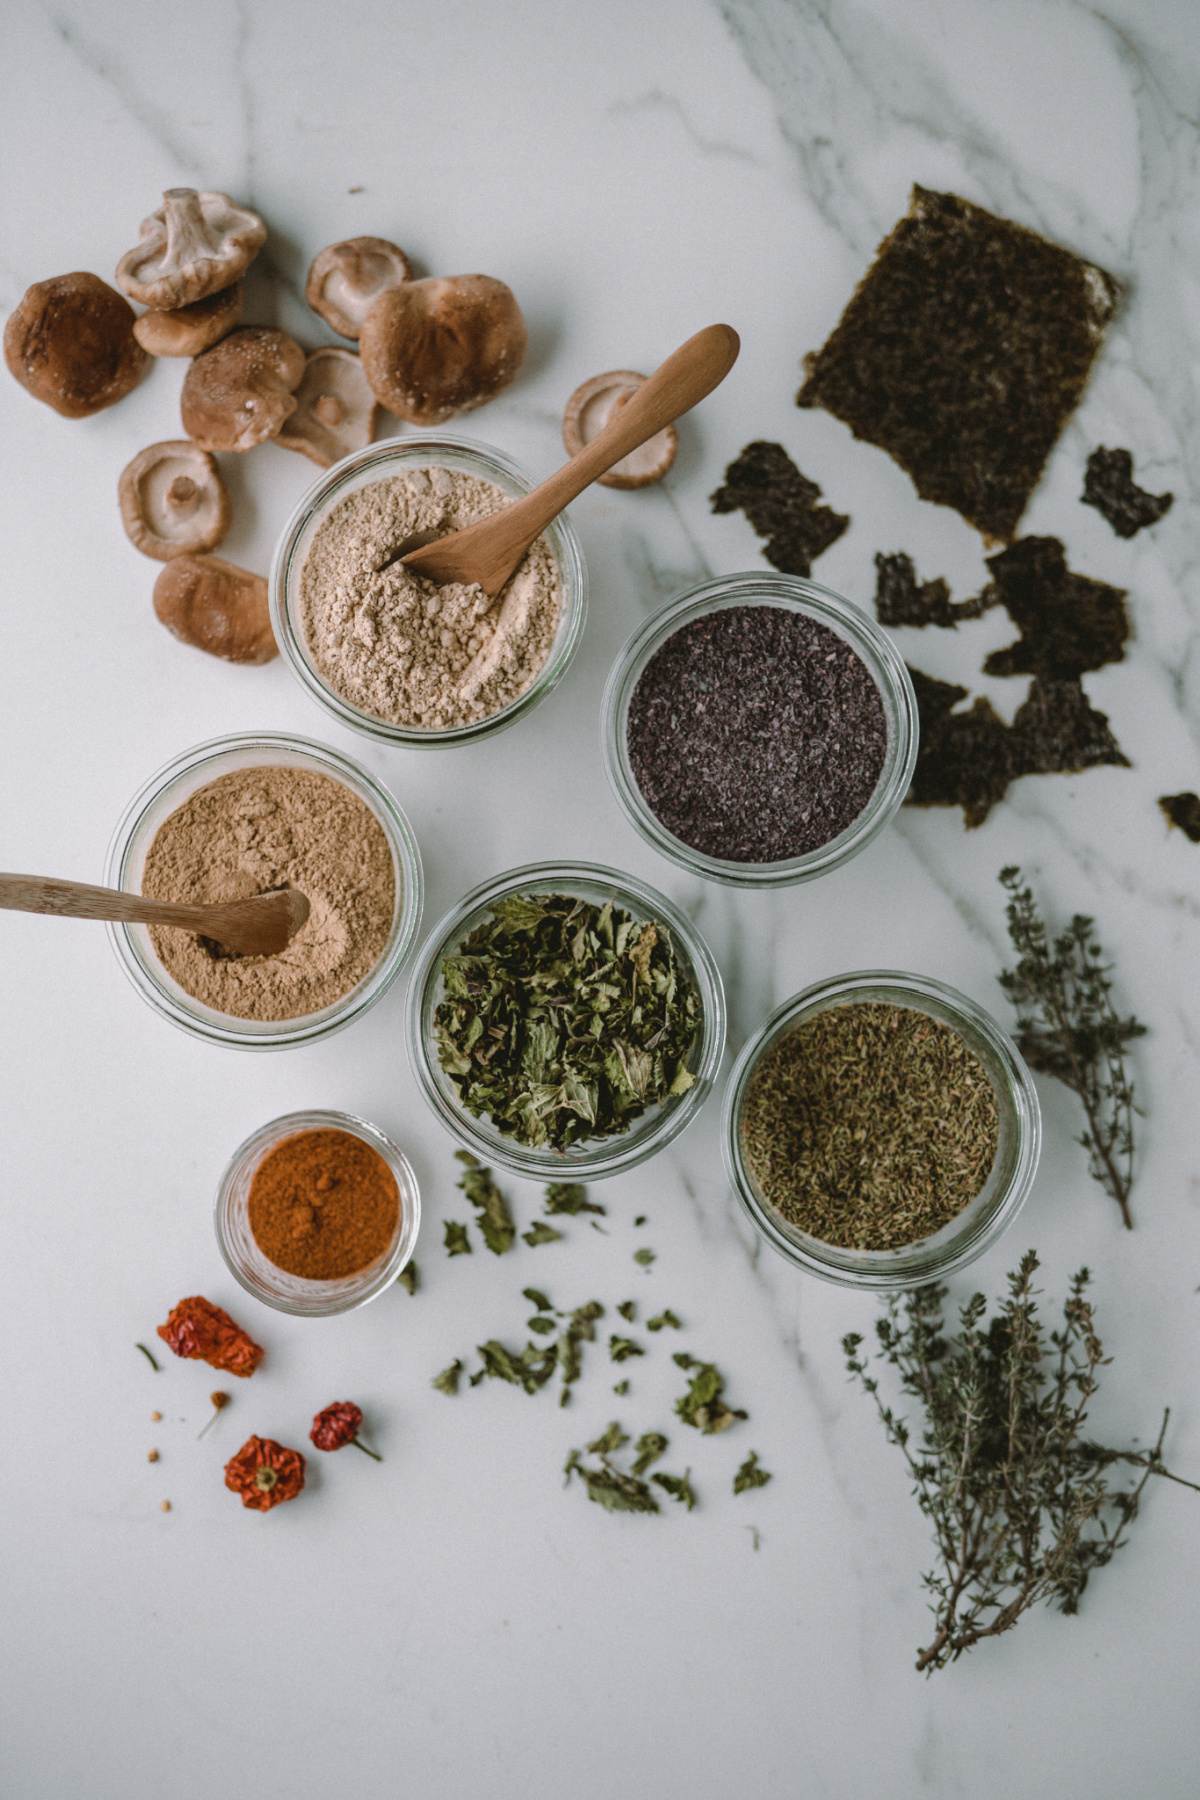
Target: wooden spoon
{"x": 261, "y": 926}
{"x": 487, "y": 553}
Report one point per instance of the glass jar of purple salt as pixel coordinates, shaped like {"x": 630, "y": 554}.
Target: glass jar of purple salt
{"x": 760, "y": 730}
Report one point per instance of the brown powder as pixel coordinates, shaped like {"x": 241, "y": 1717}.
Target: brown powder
{"x": 323, "y": 1204}
{"x": 257, "y": 829}
{"x": 405, "y": 649}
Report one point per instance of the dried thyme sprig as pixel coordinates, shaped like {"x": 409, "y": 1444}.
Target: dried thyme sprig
{"x": 1067, "y": 1027}
{"x": 1001, "y": 1470}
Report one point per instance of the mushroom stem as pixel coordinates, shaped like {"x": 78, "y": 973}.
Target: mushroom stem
{"x": 187, "y": 234}
{"x": 181, "y": 490}
{"x": 330, "y": 410}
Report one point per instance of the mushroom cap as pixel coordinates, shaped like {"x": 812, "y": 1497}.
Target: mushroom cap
{"x": 346, "y": 279}
{"x": 173, "y": 500}
{"x": 215, "y": 606}
{"x": 442, "y": 346}
{"x": 587, "y": 413}
{"x": 194, "y": 245}
{"x": 187, "y": 330}
{"x": 335, "y": 409}
{"x": 70, "y": 343}
{"x": 238, "y": 394}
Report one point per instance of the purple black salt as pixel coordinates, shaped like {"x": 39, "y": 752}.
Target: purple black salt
{"x": 756, "y": 734}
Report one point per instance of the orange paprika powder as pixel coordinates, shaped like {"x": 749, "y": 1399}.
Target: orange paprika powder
{"x": 323, "y": 1204}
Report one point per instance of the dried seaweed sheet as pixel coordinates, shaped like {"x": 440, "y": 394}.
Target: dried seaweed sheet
{"x": 1109, "y": 487}
{"x": 781, "y": 506}
{"x": 1183, "y": 810}
{"x": 901, "y": 600}
{"x": 962, "y": 353}
{"x": 1068, "y": 623}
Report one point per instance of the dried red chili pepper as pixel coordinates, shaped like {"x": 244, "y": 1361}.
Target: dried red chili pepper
{"x": 337, "y": 1426}
{"x": 265, "y": 1473}
{"x": 198, "y": 1328}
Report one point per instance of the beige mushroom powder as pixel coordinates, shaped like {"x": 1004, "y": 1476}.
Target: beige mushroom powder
{"x": 257, "y": 829}
{"x": 402, "y": 648}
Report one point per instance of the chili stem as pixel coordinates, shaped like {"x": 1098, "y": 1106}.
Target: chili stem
{"x": 359, "y": 1445}
{"x": 148, "y": 1357}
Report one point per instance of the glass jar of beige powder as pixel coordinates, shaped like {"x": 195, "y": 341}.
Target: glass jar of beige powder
{"x": 400, "y": 659}
{"x": 239, "y": 814}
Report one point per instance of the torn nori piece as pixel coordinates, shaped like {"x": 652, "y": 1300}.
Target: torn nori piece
{"x": 1109, "y": 487}
{"x": 900, "y": 601}
{"x": 1183, "y": 810}
{"x": 781, "y": 505}
{"x": 962, "y": 353}
{"x": 1068, "y": 623}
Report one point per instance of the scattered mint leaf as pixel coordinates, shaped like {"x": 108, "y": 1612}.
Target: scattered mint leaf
{"x": 750, "y": 1476}
{"x": 408, "y": 1278}
{"x": 620, "y": 1349}
{"x": 649, "y": 1447}
{"x": 494, "y": 1221}
{"x": 540, "y": 1233}
{"x": 611, "y": 1489}
{"x": 447, "y": 1381}
{"x": 678, "y": 1486}
{"x": 457, "y": 1241}
{"x": 541, "y": 1325}
{"x": 611, "y": 1439}
{"x": 531, "y": 1369}
{"x": 569, "y": 1197}
{"x": 641, "y": 1219}
{"x": 477, "y": 1377}
{"x": 620, "y": 1387}
{"x": 536, "y": 1298}
{"x": 666, "y": 1317}
{"x": 702, "y": 1405}
{"x": 645, "y": 1257}
{"x": 627, "y": 1309}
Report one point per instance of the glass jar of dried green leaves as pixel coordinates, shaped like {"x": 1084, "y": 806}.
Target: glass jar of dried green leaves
{"x": 881, "y": 1130}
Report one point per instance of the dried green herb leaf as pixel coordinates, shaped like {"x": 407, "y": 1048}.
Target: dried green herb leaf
{"x": 750, "y": 1475}
{"x": 531, "y": 1369}
{"x": 620, "y": 1349}
{"x": 649, "y": 1447}
{"x": 627, "y": 1309}
{"x": 1068, "y": 1027}
{"x": 1017, "y": 1498}
{"x": 611, "y": 1439}
{"x": 447, "y": 1381}
{"x": 477, "y": 1377}
{"x": 620, "y": 1387}
{"x": 536, "y": 1298}
{"x": 458, "y": 1243}
{"x": 645, "y": 1257}
{"x": 541, "y": 1325}
{"x": 703, "y": 1405}
{"x": 611, "y": 1489}
{"x": 494, "y": 1221}
{"x": 666, "y": 1317}
{"x": 641, "y": 1219}
{"x": 550, "y": 1026}
{"x": 541, "y": 1233}
{"x": 408, "y": 1278}
{"x": 569, "y": 1197}
{"x": 678, "y": 1486}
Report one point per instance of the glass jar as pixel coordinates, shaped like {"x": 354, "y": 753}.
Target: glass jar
{"x": 593, "y": 1158}
{"x": 982, "y": 1221}
{"x": 296, "y": 1293}
{"x": 377, "y": 462}
{"x": 789, "y": 593}
{"x": 163, "y": 794}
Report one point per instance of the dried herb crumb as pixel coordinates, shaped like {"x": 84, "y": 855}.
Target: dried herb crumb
{"x": 541, "y": 1325}
{"x": 666, "y": 1317}
{"x": 614, "y": 1491}
{"x": 640, "y": 1220}
{"x": 611, "y": 1439}
{"x": 458, "y": 1242}
{"x": 409, "y": 1278}
{"x": 620, "y": 1387}
{"x": 1109, "y": 487}
{"x": 678, "y": 1486}
{"x": 628, "y": 1310}
{"x": 648, "y": 1449}
{"x": 447, "y": 1381}
{"x": 703, "y": 1405}
{"x": 645, "y": 1257}
{"x": 750, "y": 1475}
{"x": 1183, "y": 810}
{"x": 541, "y": 1233}
{"x": 780, "y": 505}
{"x": 620, "y": 1349}
{"x": 569, "y": 1197}
{"x": 536, "y": 1298}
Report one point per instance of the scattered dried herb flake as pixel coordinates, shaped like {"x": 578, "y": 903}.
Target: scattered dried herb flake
{"x": 750, "y": 1475}
{"x": 541, "y": 1233}
{"x": 678, "y": 1486}
{"x": 649, "y": 1447}
{"x": 409, "y": 1278}
{"x": 457, "y": 1239}
{"x": 494, "y": 1220}
{"x": 447, "y": 1381}
{"x": 611, "y": 1489}
{"x": 703, "y": 1405}
{"x": 620, "y": 1349}
{"x": 666, "y": 1317}
{"x": 569, "y": 1197}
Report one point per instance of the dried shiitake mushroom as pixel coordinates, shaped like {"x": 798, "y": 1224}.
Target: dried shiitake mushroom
{"x": 173, "y": 500}
{"x": 187, "y": 330}
{"x": 193, "y": 246}
{"x": 346, "y": 279}
{"x": 437, "y": 347}
{"x": 214, "y": 605}
{"x": 238, "y": 394}
{"x": 70, "y": 343}
{"x": 335, "y": 409}
{"x": 588, "y": 411}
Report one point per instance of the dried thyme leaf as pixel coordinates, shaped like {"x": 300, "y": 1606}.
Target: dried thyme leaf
{"x": 1068, "y": 1027}
{"x": 649, "y": 1447}
{"x": 458, "y": 1243}
{"x": 536, "y": 1298}
{"x": 531, "y": 1369}
{"x": 541, "y": 1233}
{"x": 494, "y": 1221}
{"x": 408, "y": 1278}
{"x": 620, "y": 1349}
{"x": 611, "y": 1439}
{"x": 541, "y": 1325}
{"x": 750, "y": 1475}
{"x": 628, "y": 1309}
{"x": 447, "y": 1381}
{"x": 1000, "y": 1469}
{"x": 569, "y": 1197}
{"x": 703, "y": 1405}
{"x": 666, "y": 1317}
{"x": 563, "y": 1020}
{"x": 678, "y": 1486}
{"x": 645, "y": 1257}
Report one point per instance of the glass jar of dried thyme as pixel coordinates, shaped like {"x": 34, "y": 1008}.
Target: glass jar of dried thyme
{"x": 881, "y": 1130}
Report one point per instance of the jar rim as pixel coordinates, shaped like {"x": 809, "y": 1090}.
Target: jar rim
{"x": 792, "y": 593}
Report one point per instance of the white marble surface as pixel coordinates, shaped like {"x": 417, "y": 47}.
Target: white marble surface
{"x": 452, "y": 1623}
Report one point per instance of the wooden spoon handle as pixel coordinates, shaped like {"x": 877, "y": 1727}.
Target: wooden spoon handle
{"x": 76, "y": 900}
{"x": 677, "y": 385}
